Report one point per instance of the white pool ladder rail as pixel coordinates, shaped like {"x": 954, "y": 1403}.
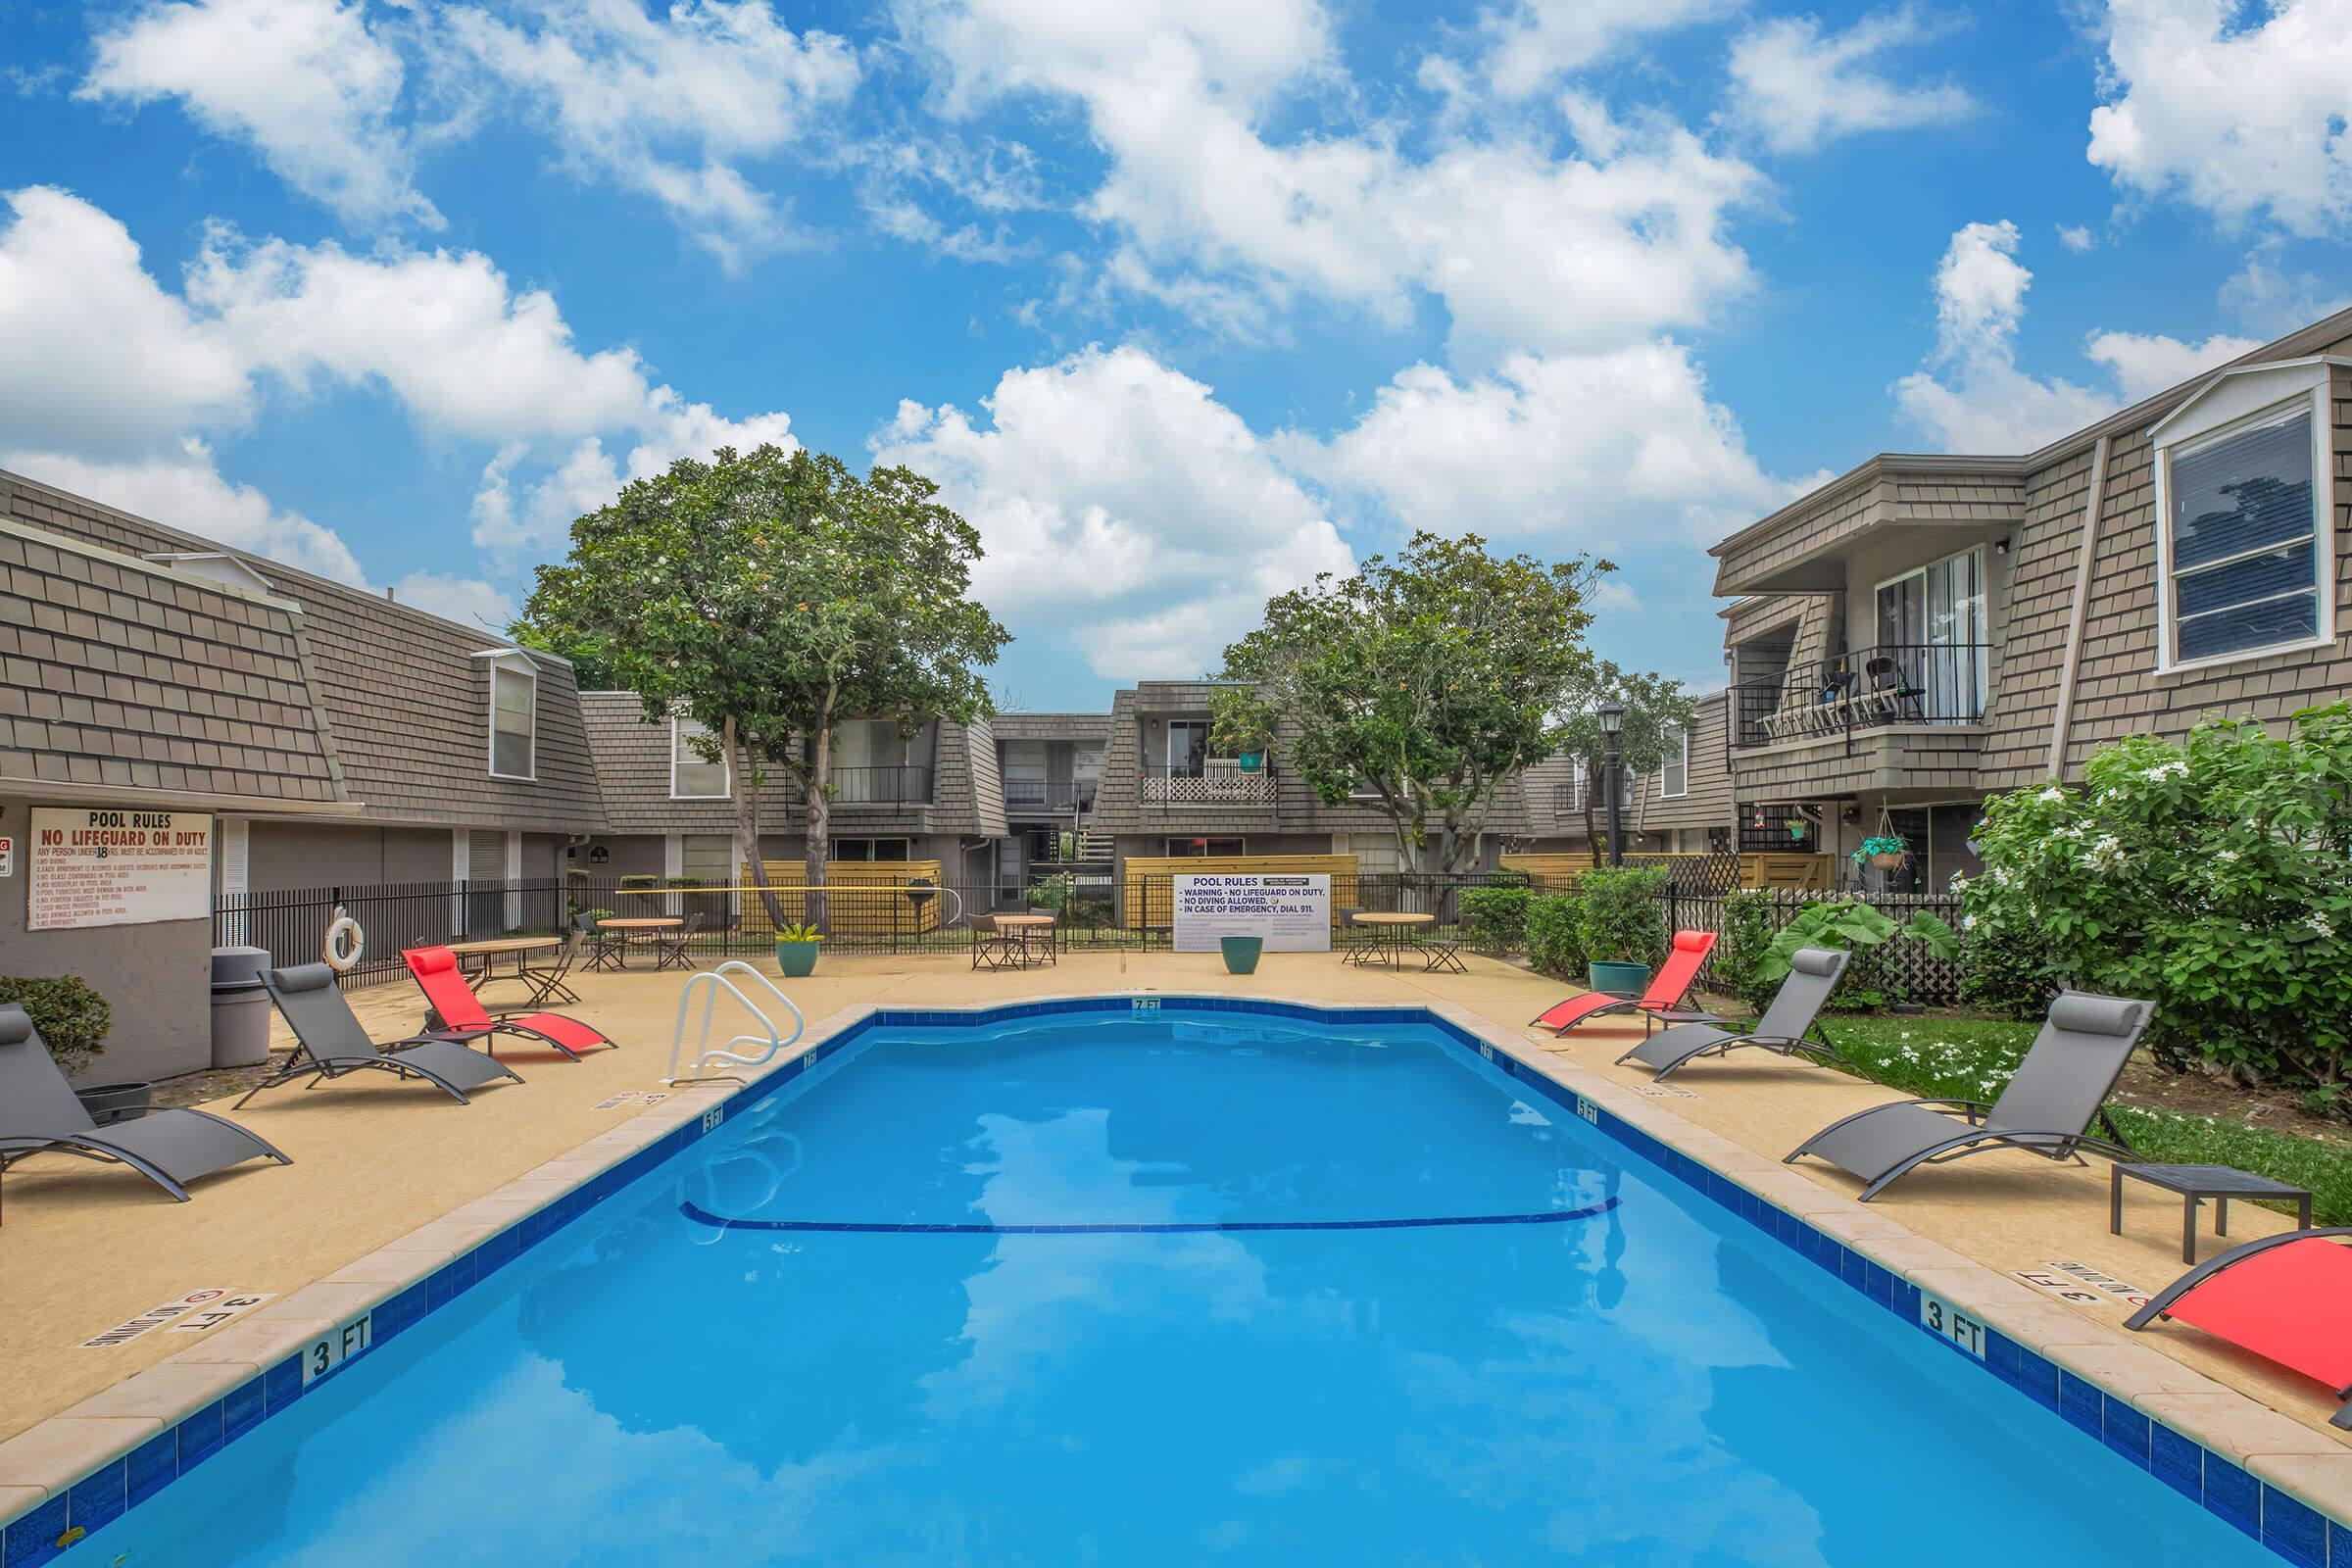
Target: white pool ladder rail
{"x": 765, "y": 1041}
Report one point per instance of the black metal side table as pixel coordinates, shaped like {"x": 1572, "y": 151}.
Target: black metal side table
{"x": 2196, "y": 1184}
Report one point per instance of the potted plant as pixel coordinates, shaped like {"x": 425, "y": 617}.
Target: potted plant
{"x": 1885, "y": 851}
{"x": 1241, "y": 954}
{"x": 74, "y": 1020}
{"x": 1242, "y": 726}
{"x": 1621, "y": 925}
{"x": 796, "y": 950}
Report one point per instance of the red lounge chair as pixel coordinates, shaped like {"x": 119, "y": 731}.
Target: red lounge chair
{"x": 2287, "y": 1298}
{"x": 464, "y": 1019}
{"x": 1667, "y": 988}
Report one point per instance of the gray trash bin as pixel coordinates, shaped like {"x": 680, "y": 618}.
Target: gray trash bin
{"x": 240, "y": 1007}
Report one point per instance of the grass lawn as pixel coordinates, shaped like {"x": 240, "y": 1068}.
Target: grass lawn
{"x": 1930, "y": 1054}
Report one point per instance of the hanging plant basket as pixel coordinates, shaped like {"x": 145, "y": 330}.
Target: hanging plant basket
{"x": 1887, "y": 859}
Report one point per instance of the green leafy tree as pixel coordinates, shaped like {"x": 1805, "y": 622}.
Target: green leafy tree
{"x": 1653, "y": 706}
{"x": 770, "y": 598}
{"x": 1427, "y": 681}
{"x": 2212, "y": 877}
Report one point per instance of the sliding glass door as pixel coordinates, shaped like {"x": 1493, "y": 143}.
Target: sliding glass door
{"x": 1932, "y": 627}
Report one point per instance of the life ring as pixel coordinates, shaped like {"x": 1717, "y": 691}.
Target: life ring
{"x": 337, "y": 956}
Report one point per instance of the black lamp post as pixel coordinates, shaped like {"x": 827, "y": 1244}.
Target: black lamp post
{"x": 1612, "y": 724}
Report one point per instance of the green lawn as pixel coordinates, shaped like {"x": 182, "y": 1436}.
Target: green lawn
{"x": 1927, "y": 1055}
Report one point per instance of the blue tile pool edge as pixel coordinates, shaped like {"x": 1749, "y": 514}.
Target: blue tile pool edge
{"x": 2290, "y": 1528}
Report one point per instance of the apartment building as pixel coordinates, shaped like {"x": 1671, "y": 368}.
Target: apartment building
{"x": 1923, "y": 631}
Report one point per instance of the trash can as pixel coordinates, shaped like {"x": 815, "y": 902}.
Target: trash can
{"x": 240, "y": 1007}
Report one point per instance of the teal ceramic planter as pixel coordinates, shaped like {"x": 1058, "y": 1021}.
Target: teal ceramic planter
{"x": 1241, "y": 954}
{"x": 796, "y": 961}
{"x": 1618, "y": 979}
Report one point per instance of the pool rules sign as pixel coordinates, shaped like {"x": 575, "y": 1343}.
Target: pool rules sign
{"x": 110, "y": 867}
{"x": 1291, "y": 912}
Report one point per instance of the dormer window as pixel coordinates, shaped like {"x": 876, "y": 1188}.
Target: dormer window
{"x": 514, "y": 714}
{"x": 693, "y": 775}
{"x": 2245, "y": 548}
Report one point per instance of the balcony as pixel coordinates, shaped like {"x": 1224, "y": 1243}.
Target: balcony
{"x": 1215, "y": 781}
{"x": 897, "y": 784}
{"x": 1049, "y": 797}
{"x": 1879, "y": 687}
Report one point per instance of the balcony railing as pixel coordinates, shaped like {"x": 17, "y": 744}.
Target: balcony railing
{"x": 1218, "y": 781}
{"x": 1862, "y": 689}
{"x": 1057, "y": 796}
{"x": 899, "y": 784}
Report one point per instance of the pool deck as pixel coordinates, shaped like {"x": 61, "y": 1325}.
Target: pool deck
{"x": 391, "y": 1180}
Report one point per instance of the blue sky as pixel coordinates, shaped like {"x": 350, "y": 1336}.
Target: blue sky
{"x": 1182, "y": 301}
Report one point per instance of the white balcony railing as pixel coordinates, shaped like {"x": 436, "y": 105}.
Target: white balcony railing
{"x": 1220, "y": 781}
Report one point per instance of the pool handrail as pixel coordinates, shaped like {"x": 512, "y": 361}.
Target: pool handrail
{"x": 711, "y": 982}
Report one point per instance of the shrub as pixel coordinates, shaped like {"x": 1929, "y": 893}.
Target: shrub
{"x": 1740, "y": 949}
{"x": 1871, "y": 981}
{"x": 637, "y": 881}
{"x": 1552, "y": 934}
{"x": 1622, "y": 913}
{"x": 2208, "y": 877}
{"x": 73, "y": 1019}
{"x": 2004, "y": 973}
{"x": 1496, "y": 918}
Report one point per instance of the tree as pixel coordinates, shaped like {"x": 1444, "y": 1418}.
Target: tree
{"x": 1428, "y": 681}
{"x": 770, "y": 598}
{"x": 1653, "y": 705}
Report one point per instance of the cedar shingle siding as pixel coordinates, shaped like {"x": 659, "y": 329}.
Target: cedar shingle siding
{"x": 2036, "y": 505}
{"x": 119, "y": 674}
{"x": 406, "y": 702}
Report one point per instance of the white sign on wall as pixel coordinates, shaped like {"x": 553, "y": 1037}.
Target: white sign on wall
{"x": 1291, "y": 912}
{"x": 110, "y": 867}
{"x": 8, "y": 855}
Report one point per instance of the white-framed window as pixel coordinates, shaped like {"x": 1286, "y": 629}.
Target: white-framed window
{"x": 2245, "y": 540}
{"x": 514, "y": 718}
{"x": 1674, "y": 771}
{"x": 693, "y": 776}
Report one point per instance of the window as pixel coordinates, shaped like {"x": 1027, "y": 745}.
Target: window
{"x": 693, "y": 776}
{"x": 513, "y": 720}
{"x": 1933, "y": 656}
{"x": 2243, "y": 569}
{"x": 873, "y": 850}
{"x": 1188, "y": 848}
{"x": 707, "y": 858}
{"x": 1674, "y": 772}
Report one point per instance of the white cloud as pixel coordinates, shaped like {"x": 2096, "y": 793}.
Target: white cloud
{"x": 1529, "y": 43}
{"x": 1976, "y": 399}
{"x": 185, "y": 490}
{"x": 2242, "y": 117}
{"x": 2077, "y": 238}
{"x": 1593, "y": 452}
{"x": 307, "y": 82}
{"x": 1526, "y": 247}
{"x": 671, "y": 105}
{"x": 1796, "y": 87}
{"x": 2146, "y": 365}
{"x": 1123, "y": 497}
{"x": 2267, "y": 297}
{"x": 465, "y": 599}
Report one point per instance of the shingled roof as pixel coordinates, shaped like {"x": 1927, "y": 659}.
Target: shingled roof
{"x": 120, "y": 675}
{"x": 404, "y": 694}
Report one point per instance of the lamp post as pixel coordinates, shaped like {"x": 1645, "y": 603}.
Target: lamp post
{"x": 1612, "y": 724}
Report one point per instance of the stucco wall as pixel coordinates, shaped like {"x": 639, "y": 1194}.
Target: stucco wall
{"x": 157, "y": 976}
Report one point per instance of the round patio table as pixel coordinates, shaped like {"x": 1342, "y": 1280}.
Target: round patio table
{"x": 1026, "y": 927}
{"x": 636, "y": 926}
{"x": 1391, "y": 934}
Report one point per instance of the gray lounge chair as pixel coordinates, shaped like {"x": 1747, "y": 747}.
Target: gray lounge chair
{"x": 39, "y": 1115}
{"x": 1793, "y": 1016}
{"x": 333, "y": 1043}
{"x": 2047, "y": 1107}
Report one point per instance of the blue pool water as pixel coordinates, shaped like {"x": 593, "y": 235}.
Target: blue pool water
{"x": 1650, "y": 1382}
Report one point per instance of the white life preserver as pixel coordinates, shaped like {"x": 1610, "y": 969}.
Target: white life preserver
{"x": 337, "y": 956}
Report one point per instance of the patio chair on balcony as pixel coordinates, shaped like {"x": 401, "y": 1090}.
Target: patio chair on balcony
{"x": 2047, "y": 1107}
{"x": 39, "y": 1114}
{"x": 1891, "y": 698}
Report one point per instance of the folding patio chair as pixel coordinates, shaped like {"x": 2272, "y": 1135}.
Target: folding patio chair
{"x": 40, "y": 1115}
{"x": 2046, "y": 1108}
{"x": 332, "y": 1043}
{"x": 673, "y": 949}
{"x": 993, "y": 946}
{"x": 1668, "y": 988}
{"x": 459, "y": 1015}
{"x": 1790, "y": 1025}
{"x": 602, "y": 949}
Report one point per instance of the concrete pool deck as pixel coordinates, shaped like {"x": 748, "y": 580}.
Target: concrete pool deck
{"x": 391, "y": 1180}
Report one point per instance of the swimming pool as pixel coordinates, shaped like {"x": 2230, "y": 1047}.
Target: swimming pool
{"x": 1178, "y": 1287}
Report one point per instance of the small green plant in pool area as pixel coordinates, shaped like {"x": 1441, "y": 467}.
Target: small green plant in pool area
{"x": 71, "y": 1016}
{"x": 799, "y": 933}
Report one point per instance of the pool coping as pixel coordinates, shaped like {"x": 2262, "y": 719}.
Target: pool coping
{"x": 2276, "y": 1480}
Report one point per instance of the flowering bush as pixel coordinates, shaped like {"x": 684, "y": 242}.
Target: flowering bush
{"x": 2210, "y": 877}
